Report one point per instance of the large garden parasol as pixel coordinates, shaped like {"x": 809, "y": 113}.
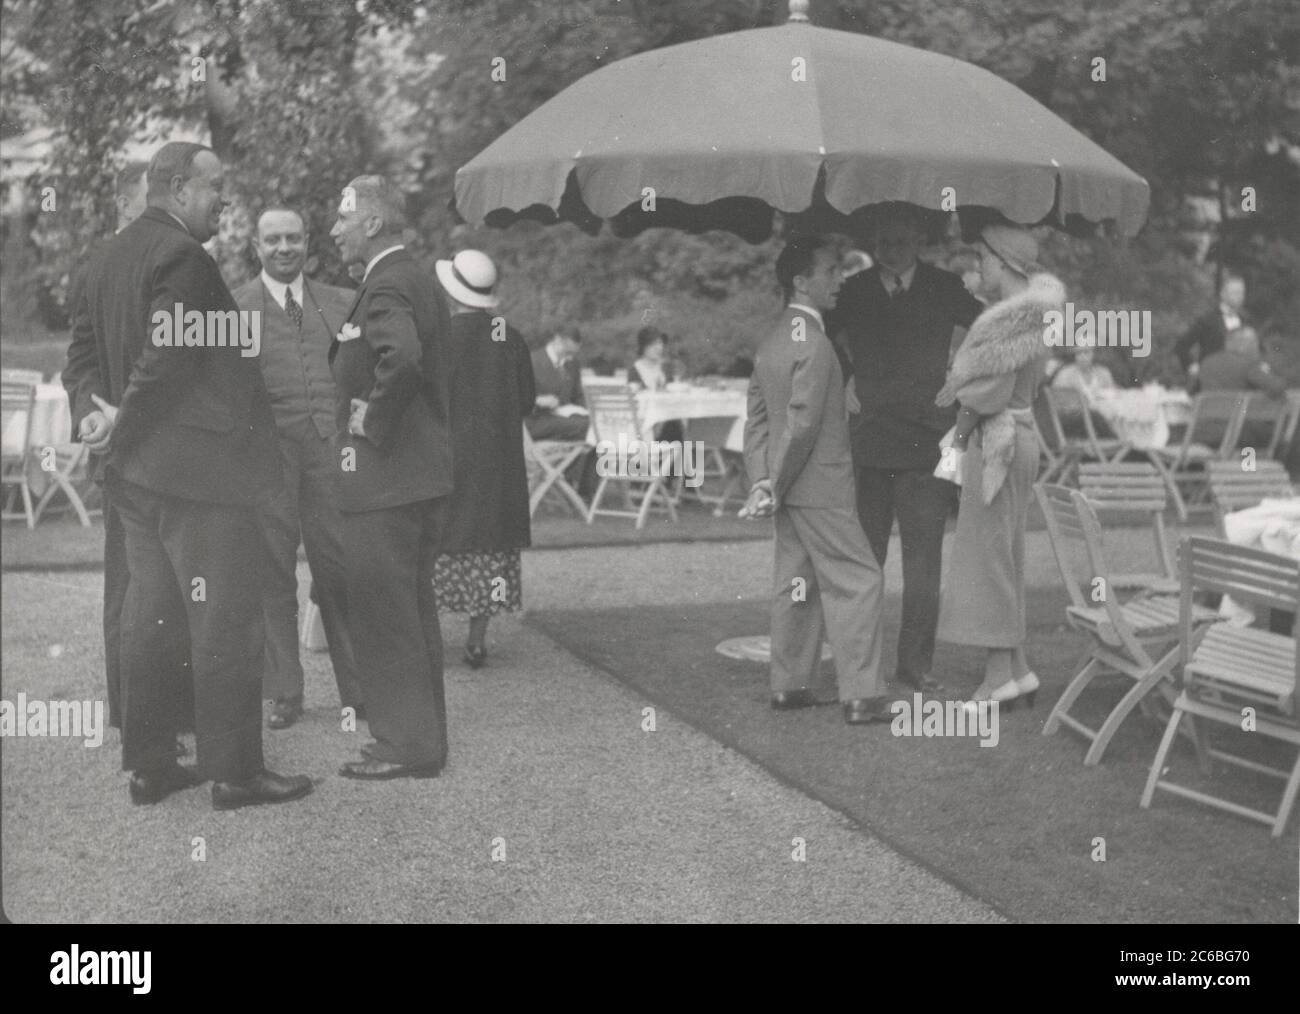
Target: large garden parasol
{"x": 723, "y": 132}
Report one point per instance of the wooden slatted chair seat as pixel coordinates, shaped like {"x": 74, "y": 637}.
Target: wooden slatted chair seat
{"x": 1149, "y": 618}
{"x": 1227, "y": 669}
{"x": 1242, "y": 662}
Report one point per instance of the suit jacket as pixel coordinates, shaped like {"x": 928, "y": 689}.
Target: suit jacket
{"x": 565, "y": 383}
{"x": 1204, "y": 338}
{"x": 295, "y": 364}
{"x": 491, "y": 393}
{"x": 193, "y": 422}
{"x": 1234, "y": 371}
{"x": 899, "y": 349}
{"x": 399, "y": 364}
{"x": 797, "y": 431}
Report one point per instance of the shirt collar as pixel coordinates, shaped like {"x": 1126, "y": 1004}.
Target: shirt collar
{"x": 277, "y": 289}
{"x": 176, "y": 220}
{"x": 811, "y": 312}
{"x": 377, "y": 257}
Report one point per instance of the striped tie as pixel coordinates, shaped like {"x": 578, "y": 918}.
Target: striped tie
{"x": 292, "y": 308}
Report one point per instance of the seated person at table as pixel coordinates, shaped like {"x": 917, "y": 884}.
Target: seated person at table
{"x": 651, "y": 369}
{"x": 1239, "y": 366}
{"x": 1086, "y": 376}
{"x": 558, "y": 412}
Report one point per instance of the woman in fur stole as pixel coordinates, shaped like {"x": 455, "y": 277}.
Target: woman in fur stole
{"x": 995, "y": 373}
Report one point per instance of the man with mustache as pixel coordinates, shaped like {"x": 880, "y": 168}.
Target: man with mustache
{"x": 299, "y": 320}
{"x": 190, "y": 453}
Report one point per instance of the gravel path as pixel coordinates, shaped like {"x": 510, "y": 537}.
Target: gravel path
{"x": 591, "y": 817}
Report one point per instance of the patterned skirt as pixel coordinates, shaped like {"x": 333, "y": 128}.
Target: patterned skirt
{"x": 480, "y": 584}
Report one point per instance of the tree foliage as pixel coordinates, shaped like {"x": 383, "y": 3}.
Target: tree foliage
{"x": 1200, "y": 96}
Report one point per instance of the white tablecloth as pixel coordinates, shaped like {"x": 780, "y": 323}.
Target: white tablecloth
{"x": 1141, "y": 416}
{"x": 654, "y": 407}
{"x": 1272, "y": 525}
{"x": 51, "y": 421}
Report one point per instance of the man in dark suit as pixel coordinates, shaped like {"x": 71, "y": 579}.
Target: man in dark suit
{"x": 559, "y": 383}
{"x": 1205, "y": 337}
{"x": 190, "y": 452}
{"x": 394, "y": 473}
{"x": 798, "y": 457}
{"x": 1239, "y": 366}
{"x": 898, "y": 321}
{"x": 85, "y": 379}
{"x": 299, "y": 321}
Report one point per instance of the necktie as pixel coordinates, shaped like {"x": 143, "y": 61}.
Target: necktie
{"x": 292, "y": 308}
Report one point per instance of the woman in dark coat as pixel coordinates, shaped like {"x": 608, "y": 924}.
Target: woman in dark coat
{"x": 491, "y": 392}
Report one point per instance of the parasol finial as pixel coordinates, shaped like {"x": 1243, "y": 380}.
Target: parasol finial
{"x": 798, "y": 10}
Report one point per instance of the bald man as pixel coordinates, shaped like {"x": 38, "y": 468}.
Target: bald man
{"x": 299, "y": 320}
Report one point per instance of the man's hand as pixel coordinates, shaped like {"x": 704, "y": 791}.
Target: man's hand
{"x": 549, "y": 402}
{"x": 851, "y": 397}
{"x": 97, "y": 427}
{"x": 761, "y": 503}
{"x": 356, "y": 422}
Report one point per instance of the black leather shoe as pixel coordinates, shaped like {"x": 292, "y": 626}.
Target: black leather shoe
{"x": 374, "y": 770}
{"x": 284, "y": 714}
{"x": 788, "y": 700}
{"x": 922, "y": 684}
{"x": 865, "y": 710}
{"x": 151, "y": 786}
{"x": 266, "y": 787}
{"x": 475, "y": 655}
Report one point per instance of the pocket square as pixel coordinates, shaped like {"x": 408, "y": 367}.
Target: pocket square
{"x": 349, "y": 332}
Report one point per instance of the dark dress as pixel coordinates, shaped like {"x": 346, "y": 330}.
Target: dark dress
{"x": 492, "y": 390}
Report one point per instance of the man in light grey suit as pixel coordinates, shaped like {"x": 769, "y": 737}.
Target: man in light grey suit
{"x": 299, "y": 321}
{"x": 799, "y": 460}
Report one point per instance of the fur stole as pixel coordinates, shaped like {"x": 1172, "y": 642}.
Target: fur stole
{"x": 1005, "y": 337}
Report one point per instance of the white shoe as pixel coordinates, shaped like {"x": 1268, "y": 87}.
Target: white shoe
{"x": 1009, "y": 691}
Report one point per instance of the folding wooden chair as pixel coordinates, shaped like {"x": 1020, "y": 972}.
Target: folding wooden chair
{"x": 613, "y": 415}
{"x": 1232, "y": 487}
{"x": 17, "y": 401}
{"x": 1211, "y": 435}
{"x": 1063, "y": 401}
{"x": 66, "y": 461}
{"x": 1227, "y": 669}
{"x": 1116, "y": 488}
{"x": 1137, "y": 638}
{"x": 725, "y": 467}
{"x": 1284, "y": 430}
{"x": 545, "y": 462}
